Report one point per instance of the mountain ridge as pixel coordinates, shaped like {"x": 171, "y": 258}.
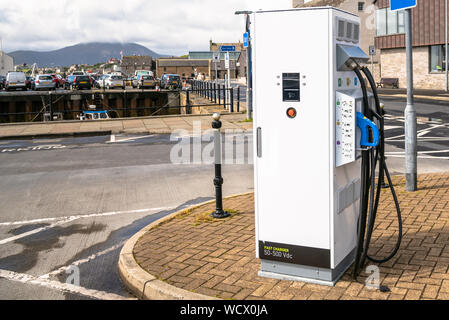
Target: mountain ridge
{"x": 82, "y": 53}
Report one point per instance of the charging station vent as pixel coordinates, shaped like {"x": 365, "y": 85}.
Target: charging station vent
{"x": 356, "y": 33}
{"x": 341, "y": 29}
{"x": 348, "y": 31}
{"x": 348, "y": 195}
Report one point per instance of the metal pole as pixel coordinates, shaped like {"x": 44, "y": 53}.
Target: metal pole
{"x": 411, "y": 149}
{"x": 238, "y": 99}
{"x": 249, "y": 80}
{"x": 224, "y": 96}
{"x": 188, "y": 101}
{"x": 218, "y": 181}
{"x": 447, "y": 47}
{"x": 51, "y": 106}
{"x": 231, "y": 94}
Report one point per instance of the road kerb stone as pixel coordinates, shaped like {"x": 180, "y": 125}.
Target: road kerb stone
{"x": 144, "y": 285}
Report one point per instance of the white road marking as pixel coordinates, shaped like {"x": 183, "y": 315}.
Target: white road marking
{"x": 29, "y": 233}
{"x": 43, "y": 220}
{"x": 392, "y": 127}
{"x": 82, "y": 261}
{"x": 65, "y": 220}
{"x": 56, "y": 285}
{"x": 34, "y": 148}
{"x": 113, "y": 140}
{"x": 420, "y": 152}
{"x": 419, "y": 157}
{"x": 419, "y": 132}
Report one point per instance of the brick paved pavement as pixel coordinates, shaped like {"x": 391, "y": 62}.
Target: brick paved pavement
{"x": 218, "y": 258}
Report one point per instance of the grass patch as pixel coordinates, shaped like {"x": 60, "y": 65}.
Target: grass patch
{"x": 205, "y": 217}
{"x": 184, "y": 214}
{"x": 246, "y": 121}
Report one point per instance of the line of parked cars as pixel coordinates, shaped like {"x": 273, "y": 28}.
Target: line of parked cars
{"x": 142, "y": 79}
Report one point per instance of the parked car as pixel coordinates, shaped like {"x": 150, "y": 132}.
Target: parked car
{"x": 2, "y": 82}
{"x": 78, "y": 73}
{"x": 99, "y": 82}
{"x": 58, "y": 80}
{"x": 171, "y": 81}
{"x": 15, "y": 80}
{"x": 144, "y": 81}
{"x": 129, "y": 82}
{"x": 78, "y": 82}
{"x": 114, "y": 81}
{"x": 43, "y": 82}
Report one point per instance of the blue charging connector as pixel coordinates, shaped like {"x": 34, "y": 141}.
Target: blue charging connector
{"x": 365, "y": 124}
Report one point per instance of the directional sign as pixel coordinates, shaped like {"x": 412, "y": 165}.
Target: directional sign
{"x": 402, "y": 4}
{"x": 245, "y": 40}
{"x": 227, "y": 48}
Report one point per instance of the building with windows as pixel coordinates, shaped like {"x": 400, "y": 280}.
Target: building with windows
{"x": 186, "y": 68}
{"x": 385, "y": 30}
{"x": 238, "y": 60}
{"x": 6, "y": 63}
{"x": 129, "y": 64}
{"x": 218, "y": 68}
{"x": 429, "y": 61}
{"x": 364, "y": 9}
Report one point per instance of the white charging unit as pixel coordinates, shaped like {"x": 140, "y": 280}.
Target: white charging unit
{"x": 307, "y": 167}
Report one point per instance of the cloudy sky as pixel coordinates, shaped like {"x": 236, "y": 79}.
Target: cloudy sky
{"x": 168, "y": 27}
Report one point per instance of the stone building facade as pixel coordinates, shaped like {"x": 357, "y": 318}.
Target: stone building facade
{"x": 428, "y": 38}
{"x": 130, "y": 64}
{"x": 186, "y": 68}
{"x": 6, "y": 64}
{"x": 367, "y": 13}
{"x": 386, "y": 31}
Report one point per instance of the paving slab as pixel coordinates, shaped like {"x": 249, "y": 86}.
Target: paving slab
{"x": 216, "y": 258}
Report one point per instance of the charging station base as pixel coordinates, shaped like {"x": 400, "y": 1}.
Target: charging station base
{"x": 307, "y": 274}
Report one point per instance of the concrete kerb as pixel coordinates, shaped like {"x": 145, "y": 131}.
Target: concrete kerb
{"x": 144, "y": 285}
{"x": 117, "y": 119}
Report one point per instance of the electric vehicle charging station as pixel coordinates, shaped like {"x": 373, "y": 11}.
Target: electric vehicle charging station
{"x": 311, "y": 130}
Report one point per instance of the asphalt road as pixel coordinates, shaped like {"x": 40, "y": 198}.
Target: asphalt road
{"x": 68, "y": 205}
{"x": 433, "y": 128}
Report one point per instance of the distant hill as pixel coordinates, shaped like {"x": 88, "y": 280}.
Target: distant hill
{"x": 82, "y": 53}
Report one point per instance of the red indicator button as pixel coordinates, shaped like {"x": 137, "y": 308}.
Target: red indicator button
{"x": 291, "y": 113}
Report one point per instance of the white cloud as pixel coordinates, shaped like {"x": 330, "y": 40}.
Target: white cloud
{"x": 170, "y": 26}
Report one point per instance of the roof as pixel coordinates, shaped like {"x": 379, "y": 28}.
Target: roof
{"x": 183, "y": 63}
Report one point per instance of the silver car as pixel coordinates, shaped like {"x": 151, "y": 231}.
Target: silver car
{"x": 15, "y": 80}
{"x": 43, "y": 82}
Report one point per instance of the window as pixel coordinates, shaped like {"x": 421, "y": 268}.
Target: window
{"x": 390, "y": 22}
{"x": 437, "y": 58}
{"x": 361, "y": 5}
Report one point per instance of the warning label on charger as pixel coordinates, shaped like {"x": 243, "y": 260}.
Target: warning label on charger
{"x": 294, "y": 254}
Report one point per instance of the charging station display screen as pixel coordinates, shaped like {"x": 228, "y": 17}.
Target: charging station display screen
{"x": 290, "y": 87}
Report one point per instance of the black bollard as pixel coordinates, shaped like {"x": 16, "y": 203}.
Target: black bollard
{"x": 218, "y": 181}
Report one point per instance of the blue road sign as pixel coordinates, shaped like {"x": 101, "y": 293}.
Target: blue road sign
{"x": 227, "y": 48}
{"x": 245, "y": 40}
{"x": 402, "y": 4}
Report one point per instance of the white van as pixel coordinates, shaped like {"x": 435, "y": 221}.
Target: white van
{"x": 15, "y": 80}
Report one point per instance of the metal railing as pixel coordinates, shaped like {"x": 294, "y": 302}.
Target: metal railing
{"x": 122, "y": 106}
{"x": 218, "y": 93}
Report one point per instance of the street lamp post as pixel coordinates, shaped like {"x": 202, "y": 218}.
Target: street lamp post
{"x": 411, "y": 149}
